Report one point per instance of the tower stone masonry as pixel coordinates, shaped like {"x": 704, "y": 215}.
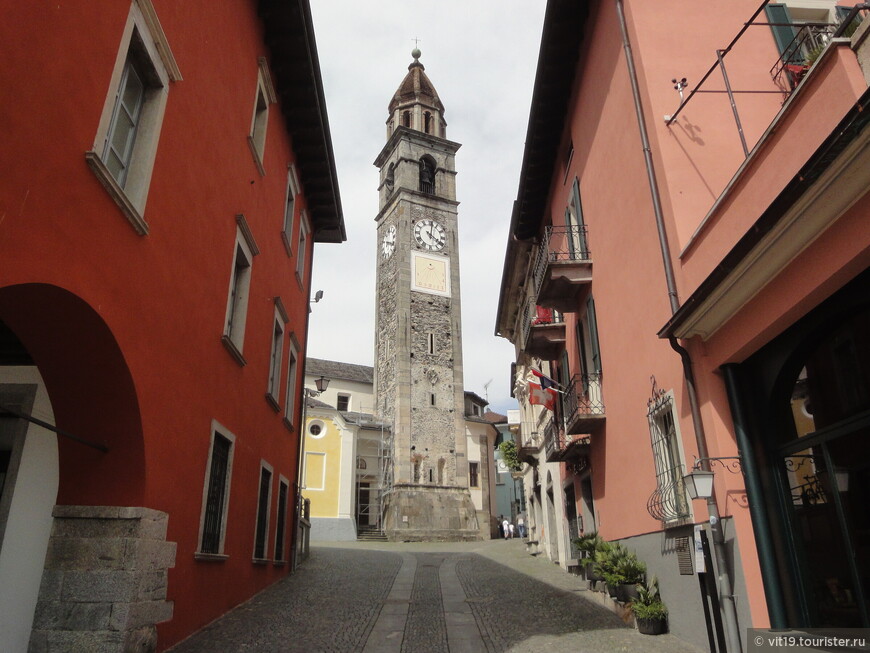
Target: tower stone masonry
{"x": 418, "y": 341}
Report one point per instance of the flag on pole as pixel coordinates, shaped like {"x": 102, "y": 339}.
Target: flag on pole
{"x": 545, "y": 397}
{"x": 545, "y": 381}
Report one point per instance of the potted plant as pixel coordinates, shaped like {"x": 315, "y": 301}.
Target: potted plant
{"x": 631, "y": 571}
{"x": 587, "y": 544}
{"x": 608, "y": 560}
{"x": 650, "y": 612}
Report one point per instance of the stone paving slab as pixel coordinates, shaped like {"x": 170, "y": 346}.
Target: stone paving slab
{"x": 425, "y": 597}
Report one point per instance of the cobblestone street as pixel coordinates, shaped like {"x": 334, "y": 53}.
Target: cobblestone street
{"x": 425, "y": 598}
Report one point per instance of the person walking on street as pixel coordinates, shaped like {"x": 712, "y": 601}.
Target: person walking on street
{"x": 506, "y": 528}
{"x": 521, "y": 525}
{"x": 511, "y": 527}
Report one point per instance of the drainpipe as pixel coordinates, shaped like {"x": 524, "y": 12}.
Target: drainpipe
{"x": 726, "y": 595}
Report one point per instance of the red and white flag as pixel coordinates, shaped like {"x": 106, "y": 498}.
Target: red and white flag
{"x": 545, "y": 397}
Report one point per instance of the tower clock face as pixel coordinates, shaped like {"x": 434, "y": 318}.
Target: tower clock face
{"x": 430, "y": 235}
{"x": 388, "y": 244}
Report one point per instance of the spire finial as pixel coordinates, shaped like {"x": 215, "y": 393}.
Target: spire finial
{"x": 416, "y": 51}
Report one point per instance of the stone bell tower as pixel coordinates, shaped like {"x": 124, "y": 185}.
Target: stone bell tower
{"x": 418, "y": 342}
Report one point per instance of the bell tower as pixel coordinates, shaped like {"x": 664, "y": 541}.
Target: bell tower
{"x": 418, "y": 341}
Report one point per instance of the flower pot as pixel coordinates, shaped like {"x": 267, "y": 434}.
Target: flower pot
{"x": 590, "y": 572}
{"x": 611, "y": 589}
{"x": 626, "y": 593}
{"x": 652, "y": 626}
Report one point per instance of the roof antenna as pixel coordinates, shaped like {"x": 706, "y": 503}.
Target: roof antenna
{"x": 486, "y": 391}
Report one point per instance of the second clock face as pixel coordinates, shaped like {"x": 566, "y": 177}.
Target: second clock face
{"x": 430, "y": 235}
{"x": 388, "y": 245}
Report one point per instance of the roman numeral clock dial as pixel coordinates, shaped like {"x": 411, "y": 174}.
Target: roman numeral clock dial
{"x": 430, "y": 235}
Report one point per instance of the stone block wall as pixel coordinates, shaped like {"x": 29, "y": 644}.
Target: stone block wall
{"x": 104, "y": 584}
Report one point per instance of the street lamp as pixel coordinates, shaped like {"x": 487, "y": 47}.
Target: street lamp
{"x": 699, "y": 484}
{"x": 321, "y": 384}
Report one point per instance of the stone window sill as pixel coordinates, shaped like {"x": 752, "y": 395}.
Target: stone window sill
{"x": 101, "y": 172}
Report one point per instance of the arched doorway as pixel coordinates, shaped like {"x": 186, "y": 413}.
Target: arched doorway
{"x": 71, "y": 452}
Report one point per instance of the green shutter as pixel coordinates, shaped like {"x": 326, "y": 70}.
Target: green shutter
{"x": 782, "y": 34}
{"x": 592, "y": 322}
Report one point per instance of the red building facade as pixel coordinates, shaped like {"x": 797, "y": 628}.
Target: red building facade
{"x": 167, "y": 170}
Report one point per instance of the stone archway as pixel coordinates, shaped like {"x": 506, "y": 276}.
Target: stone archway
{"x": 103, "y": 584}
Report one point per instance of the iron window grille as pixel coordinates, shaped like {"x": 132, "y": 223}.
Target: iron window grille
{"x": 216, "y": 497}
{"x": 262, "y": 514}
{"x": 668, "y": 503}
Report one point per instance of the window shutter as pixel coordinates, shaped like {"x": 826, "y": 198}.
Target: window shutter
{"x": 782, "y": 34}
{"x": 593, "y": 334}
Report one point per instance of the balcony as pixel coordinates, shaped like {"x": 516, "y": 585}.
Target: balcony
{"x": 563, "y": 268}
{"x": 559, "y": 447}
{"x": 582, "y": 404}
{"x": 530, "y": 445}
{"x": 545, "y": 332}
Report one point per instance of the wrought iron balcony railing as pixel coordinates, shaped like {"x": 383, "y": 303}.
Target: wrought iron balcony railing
{"x": 582, "y": 403}
{"x": 797, "y": 57}
{"x": 563, "y": 244}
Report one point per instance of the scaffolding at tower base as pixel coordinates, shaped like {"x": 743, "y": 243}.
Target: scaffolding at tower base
{"x": 372, "y": 488}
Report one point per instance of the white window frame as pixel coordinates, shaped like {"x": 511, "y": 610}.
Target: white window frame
{"x": 264, "y": 96}
{"x": 265, "y": 517}
{"x": 289, "y": 209}
{"x": 292, "y": 382}
{"x": 279, "y": 328}
{"x": 216, "y": 429}
{"x": 345, "y": 395}
{"x": 236, "y": 316}
{"x": 302, "y": 248}
{"x": 144, "y": 44}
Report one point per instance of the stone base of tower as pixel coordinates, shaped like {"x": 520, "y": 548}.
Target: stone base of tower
{"x": 430, "y": 513}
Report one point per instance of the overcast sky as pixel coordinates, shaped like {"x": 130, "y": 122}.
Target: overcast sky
{"x": 481, "y": 57}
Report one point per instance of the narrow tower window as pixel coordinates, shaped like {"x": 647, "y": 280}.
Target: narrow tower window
{"x": 432, "y": 398}
{"x": 427, "y": 175}
{"x": 406, "y": 119}
{"x": 427, "y": 122}
{"x": 430, "y": 342}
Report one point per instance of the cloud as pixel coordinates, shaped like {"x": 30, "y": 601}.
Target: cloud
{"x": 481, "y": 56}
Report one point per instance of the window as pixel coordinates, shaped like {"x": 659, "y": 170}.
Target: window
{"x": 473, "y": 474}
{"x": 577, "y": 248}
{"x": 669, "y": 504}
{"x": 301, "y": 249}
{"x": 430, "y": 342}
{"x": 281, "y": 526}
{"x": 217, "y": 492}
{"x": 277, "y": 351}
{"x": 240, "y": 282}
{"x": 342, "y": 403}
{"x": 264, "y": 97}
{"x": 406, "y": 118}
{"x": 427, "y": 122}
{"x": 431, "y": 398}
{"x": 292, "y": 383}
{"x": 125, "y": 145}
{"x": 289, "y": 210}
{"x": 263, "y": 500}
{"x": 317, "y": 429}
{"x": 427, "y": 175}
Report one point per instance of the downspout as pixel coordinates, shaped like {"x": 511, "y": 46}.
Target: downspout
{"x": 729, "y": 611}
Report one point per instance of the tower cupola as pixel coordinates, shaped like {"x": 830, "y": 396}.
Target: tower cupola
{"x": 416, "y": 104}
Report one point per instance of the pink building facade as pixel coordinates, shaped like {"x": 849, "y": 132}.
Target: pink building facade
{"x": 688, "y": 259}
